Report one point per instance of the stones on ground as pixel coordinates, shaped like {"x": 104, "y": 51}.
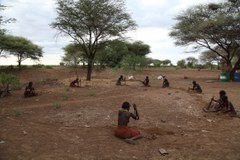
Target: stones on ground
{"x": 163, "y": 120}
{"x": 2, "y": 142}
{"x": 163, "y": 152}
{"x": 25, "y": 133}
{"x": 129, "y": 141}
{"x": 87, "y": 126}
{"x": 209, "y": 120}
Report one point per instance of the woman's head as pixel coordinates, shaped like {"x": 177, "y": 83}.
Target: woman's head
{"x": 126, "y": 105}
{"x": 222, "y": 93}
{"x": 30, "y": 83}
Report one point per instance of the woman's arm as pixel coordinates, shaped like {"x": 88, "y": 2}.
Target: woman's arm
{"x": 136, "y": 111}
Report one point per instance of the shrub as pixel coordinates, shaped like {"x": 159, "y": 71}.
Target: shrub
{"x": 48, "y": 67}
{"x": 92, "y": 94}
{"x": 17, "y": 113}
{"x": 56, "y": 105}
{"x": 7, "y": 80}
{"x": 38, "y": 66}
{"x": 65, "y": 96}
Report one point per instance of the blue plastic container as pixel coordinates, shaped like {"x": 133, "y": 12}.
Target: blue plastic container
{"x": 237, "y": 76}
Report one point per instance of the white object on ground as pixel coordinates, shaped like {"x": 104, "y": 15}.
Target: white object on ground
{"x": 130, "y": 77}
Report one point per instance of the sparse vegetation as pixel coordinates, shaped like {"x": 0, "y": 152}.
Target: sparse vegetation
{"x": 17, "y": 113}
{"x": 92, "y": 94}
{"x": 56, "y": 105}
{"x": 66, "y": 96}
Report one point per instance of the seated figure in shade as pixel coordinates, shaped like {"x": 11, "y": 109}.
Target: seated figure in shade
{"x": 165, "y": 82}
{"x": 216, "y": 105}
{"x": 146, "y": 82}
{"x": 196, "y": 87}
{"x": 75, "y": 83}
{"x": 29, "y": 91}
{"x": 228, "y": 107}
{"x": 120, "y": 80}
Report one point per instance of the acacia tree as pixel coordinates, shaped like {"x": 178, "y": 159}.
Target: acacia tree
{"x": 191, "y": 62}
{"x": 112, "y": 53}
{"x": 136, "y": 54}
{"x": 211, "y": 26}
{"x": 166, "y": 62}
{"x": 23, "y": 49}
{"x": 181, "y": 63}
{"x": 91, "y": 23}
{"x": 4, "y": 39}
{"x": 209, "y": 57}
{"x": 73, "y": 55}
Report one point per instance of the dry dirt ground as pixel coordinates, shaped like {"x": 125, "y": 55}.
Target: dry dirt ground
{"x": 64, "y": 123}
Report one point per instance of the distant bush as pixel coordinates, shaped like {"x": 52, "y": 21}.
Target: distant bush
{"x": 9, "y": 79}
{"x": 10, "y": 67}
{"x": 38, "y": 66}
{"x": 49, "y": 67}
{"x": 24, "y": 66}
{"x": 7, "y": 67}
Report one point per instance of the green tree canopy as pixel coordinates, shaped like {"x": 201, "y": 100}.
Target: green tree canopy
{"x": 166, "y": 62}
{"x": 209, "y": 57}
{"x": 181, "y": 63}
{"x": 22, "y": 49}
{"x": 112, "y": 54}
{"x": 211, "y": 26}
{"x": 138, "y": 48}
{"x": 73, "y": 55}
{"x": 191, "y": 62}
{"x": 91, "y": 23}
{"x": 115, "y": 51}
{"x": 137, "y": 52}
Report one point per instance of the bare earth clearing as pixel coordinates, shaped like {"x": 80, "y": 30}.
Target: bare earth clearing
{"x": 64, "y": 123}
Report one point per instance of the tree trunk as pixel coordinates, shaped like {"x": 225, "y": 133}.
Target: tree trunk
{"x": 19, "y": 65}
{"x": 218, "y": 66}
{"x": 89, "y": 69}
{"x": 233, "y": 70}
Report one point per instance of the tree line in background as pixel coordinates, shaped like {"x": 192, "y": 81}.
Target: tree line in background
{"x": 115, "y": 53}
{"x": 97, "y": 28}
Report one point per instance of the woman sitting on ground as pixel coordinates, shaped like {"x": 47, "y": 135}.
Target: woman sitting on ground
{"x": 123, "y": 131}
{"x": 29, "y": 91}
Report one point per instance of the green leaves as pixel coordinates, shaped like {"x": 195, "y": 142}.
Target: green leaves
{"x": 213, "y": 26}
{"x": 20, "y": 47}
{"x": 9, "y": 79}
{"x": 92, "y": 23}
